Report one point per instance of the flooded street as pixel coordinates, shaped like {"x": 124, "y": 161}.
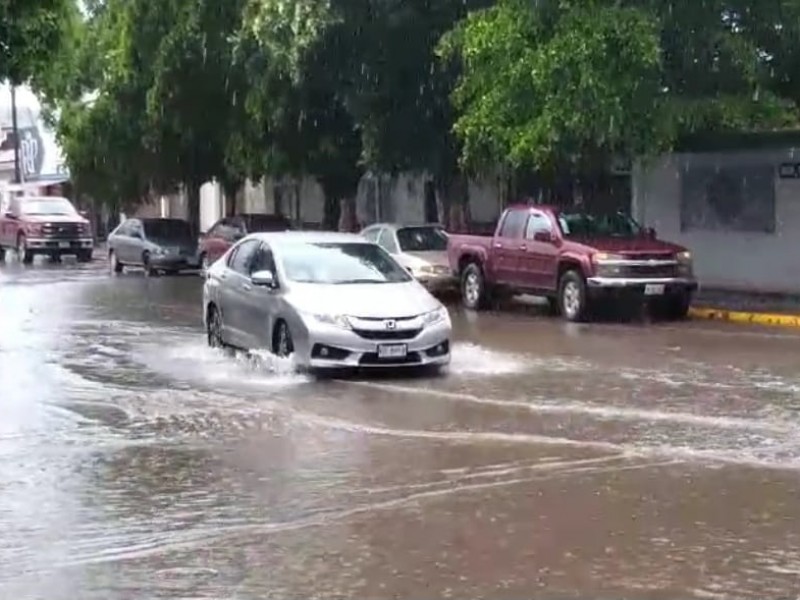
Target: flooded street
{"x": 550, "y": 460}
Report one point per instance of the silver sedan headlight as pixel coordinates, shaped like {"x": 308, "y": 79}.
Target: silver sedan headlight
{"x": 336, "y": 320}
{"x": 435, "y": 316}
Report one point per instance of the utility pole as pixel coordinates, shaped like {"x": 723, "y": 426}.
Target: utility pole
{"x": 15, "y": 133}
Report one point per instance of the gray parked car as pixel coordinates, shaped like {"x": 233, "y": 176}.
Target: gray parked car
{"x": 330, "y": 300}
{"x": 157, "y": 245}
{"x": 422, "y": 249}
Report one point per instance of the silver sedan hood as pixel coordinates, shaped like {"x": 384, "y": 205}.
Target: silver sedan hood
{"x": 375, "y": 300}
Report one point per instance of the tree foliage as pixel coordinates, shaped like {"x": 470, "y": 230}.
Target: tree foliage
{"x": 560, "y": 81}
{"x": 188, "y": 90}
{"x": 32, "y": 33}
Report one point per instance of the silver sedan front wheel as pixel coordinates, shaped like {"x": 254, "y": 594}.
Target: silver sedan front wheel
{"x": 284, "y": 346}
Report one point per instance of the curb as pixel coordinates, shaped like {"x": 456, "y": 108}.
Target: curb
{"x": 747, "y": 318}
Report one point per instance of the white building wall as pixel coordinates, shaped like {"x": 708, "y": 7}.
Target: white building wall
{"x": 485, "y": 200}
{"x": 399, "y": 198}
{"x": 750, "y": 261}
{"x": 212, "y": 205}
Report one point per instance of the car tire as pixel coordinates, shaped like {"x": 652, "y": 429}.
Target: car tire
{"x": 214, "y": 328}
{"x": 572, "y": 297}
{"x": 677, "y": 308}
{"x": 25, "y": 255}
{"x": 474, "y": 294}
{"x": 2, "y": 254}
{"x": 114, "y": 264}
{"x": 84, "y": 256}
{"x": 282, "y": 343}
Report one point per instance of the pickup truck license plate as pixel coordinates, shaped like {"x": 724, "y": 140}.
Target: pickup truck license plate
{"x": 63, "y": 244}
{"x": 392, "y": 350}
{"x": 654, "y": 289}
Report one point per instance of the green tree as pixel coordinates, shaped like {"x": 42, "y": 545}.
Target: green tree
{"x": 294, "y": 52}
{"x": 97, "y": 102}
{"x": 32, "y": 33}
{"x": 196, "y": 92}
{"x": 551, "y": 85}
{"x": 564, "y": 86}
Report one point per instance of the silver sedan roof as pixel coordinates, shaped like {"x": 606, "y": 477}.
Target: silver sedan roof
{"x": 396, "y": 226}
{"x": 308, "y": 237}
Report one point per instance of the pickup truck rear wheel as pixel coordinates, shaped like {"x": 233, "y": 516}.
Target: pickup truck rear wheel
{"x": 572, "y": 299}
{"x": 473, "y": 287}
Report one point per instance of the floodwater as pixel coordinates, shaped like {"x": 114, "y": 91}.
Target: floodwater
{"x": 551, "y": 460}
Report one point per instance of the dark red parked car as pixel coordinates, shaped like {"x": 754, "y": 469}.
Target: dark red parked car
{"x": 227, "y": 231}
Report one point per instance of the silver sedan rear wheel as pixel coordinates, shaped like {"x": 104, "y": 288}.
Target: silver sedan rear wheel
{"x": 214, "y": 329}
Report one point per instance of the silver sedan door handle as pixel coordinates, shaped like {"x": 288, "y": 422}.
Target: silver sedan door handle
{"x": 247, "y": 287}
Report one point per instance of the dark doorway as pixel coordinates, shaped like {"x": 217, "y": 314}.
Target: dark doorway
{"x": 431, "y": 209}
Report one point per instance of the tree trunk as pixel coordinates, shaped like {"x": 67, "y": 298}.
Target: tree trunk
{"x": 193, "y": 207}
{"x": 453, "y": 195}
{"x": 230, "y": 204}
{"x": 348, "y": 219}
{"x": 332, "y": 212}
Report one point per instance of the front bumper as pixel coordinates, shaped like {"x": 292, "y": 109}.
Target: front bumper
{"x": 332, "y": 347}
{"x": 439, "y": 282}
{"x": 60, "y": 245}
{"x": 641, "y": 284}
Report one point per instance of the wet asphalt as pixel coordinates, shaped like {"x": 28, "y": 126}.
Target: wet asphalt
{"x": 608, "y": 460}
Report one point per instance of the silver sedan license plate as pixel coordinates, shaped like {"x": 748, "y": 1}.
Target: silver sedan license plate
{"x": 392, "y": 350}
{"x": 63, "y": 244}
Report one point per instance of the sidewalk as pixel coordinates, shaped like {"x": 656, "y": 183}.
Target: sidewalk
{"x": 781, "y": 310}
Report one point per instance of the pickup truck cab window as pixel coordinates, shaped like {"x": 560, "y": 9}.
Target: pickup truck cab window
{"x": 585, "y": 225}
{"x": 537, "y": 222}
{"x": 514, "y": 223}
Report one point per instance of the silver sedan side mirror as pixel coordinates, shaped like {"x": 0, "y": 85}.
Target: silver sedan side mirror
{"x": 263, "y": 278}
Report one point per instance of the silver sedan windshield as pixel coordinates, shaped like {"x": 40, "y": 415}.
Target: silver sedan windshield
{"x": 340, "y": 263}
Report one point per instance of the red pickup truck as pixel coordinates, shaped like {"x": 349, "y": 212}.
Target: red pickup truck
{"x": 44, "y": 225}
{"x": 573, "y": 258}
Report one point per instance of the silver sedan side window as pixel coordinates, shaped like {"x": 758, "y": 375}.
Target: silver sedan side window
{"x": 240, "y": 261}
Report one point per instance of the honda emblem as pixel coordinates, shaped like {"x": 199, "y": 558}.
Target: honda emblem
{"x": 390, "y": 324}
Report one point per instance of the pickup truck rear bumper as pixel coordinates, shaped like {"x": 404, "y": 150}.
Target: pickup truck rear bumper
{"x": 670, "y": 284}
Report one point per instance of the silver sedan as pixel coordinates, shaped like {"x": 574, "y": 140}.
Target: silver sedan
{"x": 330, "y": 300}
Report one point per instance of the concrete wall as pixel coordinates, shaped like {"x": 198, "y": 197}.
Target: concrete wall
{"x": 751, "y": 261}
